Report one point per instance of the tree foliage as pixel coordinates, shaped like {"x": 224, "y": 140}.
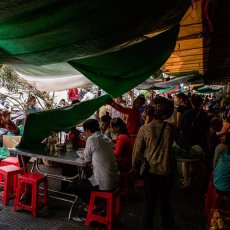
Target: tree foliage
{"x": 20, "y": 90}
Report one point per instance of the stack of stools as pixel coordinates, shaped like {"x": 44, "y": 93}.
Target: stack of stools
{"x": 11, "y": 161}
{"x": 33, "y": 180}
{"x": 112, "y": 208}
{"x": 8, "y": 174}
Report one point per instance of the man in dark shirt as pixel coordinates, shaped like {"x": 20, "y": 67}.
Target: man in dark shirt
{"x": 195, "y": 124}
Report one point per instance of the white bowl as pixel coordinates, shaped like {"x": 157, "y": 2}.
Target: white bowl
{"x": 80, "y": 153}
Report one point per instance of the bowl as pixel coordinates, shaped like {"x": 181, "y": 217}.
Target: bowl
{"x": 80, "y": 153}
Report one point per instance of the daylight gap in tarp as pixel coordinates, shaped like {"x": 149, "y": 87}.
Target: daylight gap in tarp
{"x": 52, "y": 77}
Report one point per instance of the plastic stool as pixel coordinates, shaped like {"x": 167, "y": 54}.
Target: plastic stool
{"x": 112, "y": 209}
{"x": 126, "y": 181}
{"x": 34, "y": 179}
{"x": 9, "y": 172}
{"x": 10, "y": 161}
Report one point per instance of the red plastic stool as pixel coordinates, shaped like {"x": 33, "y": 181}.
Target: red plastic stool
{"x": 8, "y": 173}
{"x": 34, "y": 179}
{"x": 10, "y": 161}
{"x": 112, "y": 209}
{"x": 126, "y": 183}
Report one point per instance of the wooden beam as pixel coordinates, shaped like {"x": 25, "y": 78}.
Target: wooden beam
{"x": 189, "y": 44}
{"x": 180, "y": 62}
{"x": 183, "y": 70}
{"x": 185, "y": 58}
{"x": 187, "y": 52}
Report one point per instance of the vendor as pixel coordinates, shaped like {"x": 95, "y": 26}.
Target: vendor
{"x": 74, "y": 137}
{"x": 6, "y": 123}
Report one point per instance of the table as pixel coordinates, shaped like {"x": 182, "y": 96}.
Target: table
{"x": 70, "y": 158}
{"x": 188, "y": 162}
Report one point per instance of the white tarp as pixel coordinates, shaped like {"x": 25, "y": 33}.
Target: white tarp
{"x": 53, "y": 77}
{"x": 174, "y": 82}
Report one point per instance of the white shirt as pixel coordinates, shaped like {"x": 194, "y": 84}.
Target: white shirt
{"x": 88, "y": 96}
{"x": 105, "y": 171}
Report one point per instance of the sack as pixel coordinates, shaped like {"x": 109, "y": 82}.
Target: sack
{"x": 144, "y": 167}
{"x": 10, "y": 141}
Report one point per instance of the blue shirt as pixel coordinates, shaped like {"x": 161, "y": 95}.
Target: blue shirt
{"x": 222, "y": 173}
{"x": 33, "y": 110}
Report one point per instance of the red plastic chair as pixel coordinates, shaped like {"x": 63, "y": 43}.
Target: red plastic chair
{"x": 112, "y": 208}
{"x": 8, "y": 174}
{"x": 33, "y": 179}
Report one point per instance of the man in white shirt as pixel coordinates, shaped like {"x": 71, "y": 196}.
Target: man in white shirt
{"x": 99, "y": 151}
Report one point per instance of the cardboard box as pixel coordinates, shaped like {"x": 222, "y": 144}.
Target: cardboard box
{"x": 10, "y": 141}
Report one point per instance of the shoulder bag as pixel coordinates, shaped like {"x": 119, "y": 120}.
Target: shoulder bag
{"x": 145, "y": 166}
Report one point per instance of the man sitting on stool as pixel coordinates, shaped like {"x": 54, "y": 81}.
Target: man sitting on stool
{"x": 99, "y": 151}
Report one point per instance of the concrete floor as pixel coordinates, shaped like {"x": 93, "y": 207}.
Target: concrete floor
{"x": 187, "y": 205}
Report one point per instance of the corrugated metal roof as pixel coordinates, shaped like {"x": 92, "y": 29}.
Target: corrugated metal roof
{"x": 190, "y": 52}
{"x": 203, "y": 43}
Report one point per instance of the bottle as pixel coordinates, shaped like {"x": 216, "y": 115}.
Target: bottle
{"x": 69, "y": 146}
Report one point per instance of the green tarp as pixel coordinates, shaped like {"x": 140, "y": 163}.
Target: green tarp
{"x": 139, "y": 69}
{"x": 51, "y": 31}
{"x": 120, "y": 71}
{"x": 38, "y": 126}
{"x": 103, "y": 39}
{"x": 207, "y": 90}
{"x": 167, "y": 89}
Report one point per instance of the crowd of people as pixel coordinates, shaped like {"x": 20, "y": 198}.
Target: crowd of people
{"x": 125, "y": 135}
{"x": 149, "y": 131}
